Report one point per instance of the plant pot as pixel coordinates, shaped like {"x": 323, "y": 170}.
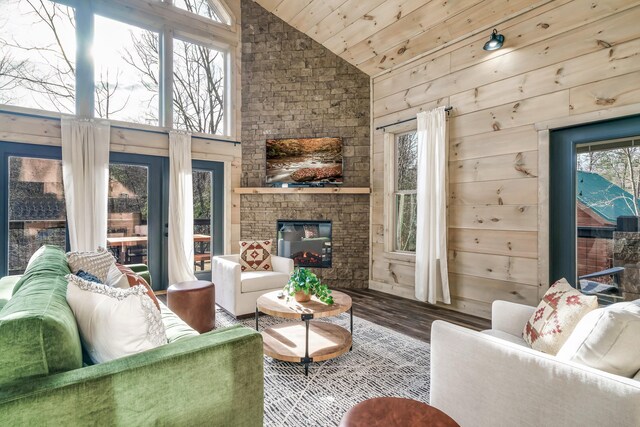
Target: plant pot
{"x": 302, "y": 297}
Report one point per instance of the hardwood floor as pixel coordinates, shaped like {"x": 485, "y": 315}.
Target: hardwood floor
{"x": 406, "y": 316}
{"x": 413, "y": 318}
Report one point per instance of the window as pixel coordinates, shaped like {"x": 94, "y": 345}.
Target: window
{"x": 38, "y": 62}
{"x": 198, "y": 88}
{"x": 126, "y": 72}
{"x": 202, "y": 218}
{"x": 37, "y": 213}
{"x": 208, "y": 8}
{"x": 37, "y": 55}
{"x": 405, "y": 185}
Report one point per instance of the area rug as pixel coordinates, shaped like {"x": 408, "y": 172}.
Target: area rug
{"x": 382, "y": 363}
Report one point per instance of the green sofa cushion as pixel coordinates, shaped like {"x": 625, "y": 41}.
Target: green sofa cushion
{"x": 175, "y": 327}
{"x": 38, "y": 332}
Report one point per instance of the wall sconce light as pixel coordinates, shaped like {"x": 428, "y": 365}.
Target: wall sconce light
{"x": 495, "y": 41}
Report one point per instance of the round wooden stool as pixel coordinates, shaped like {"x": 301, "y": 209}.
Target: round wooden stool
{"x": 395, "y": 411}
{"x": 195, "y": 303}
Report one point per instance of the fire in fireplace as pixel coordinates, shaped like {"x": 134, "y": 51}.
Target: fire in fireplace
{"x": 308, "y": 243}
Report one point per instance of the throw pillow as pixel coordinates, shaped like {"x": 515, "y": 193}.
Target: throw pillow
{"x": 134, "y": 280}
{"x": 97, "y": 263}
{"x": 114, "y": 322}
{"x": 607, "y": 339}
{"x": 116, "y": 279}
{"x": 87, "y": 276}
{"x": 557, "y": 315}
{"x": 255, "y": 255}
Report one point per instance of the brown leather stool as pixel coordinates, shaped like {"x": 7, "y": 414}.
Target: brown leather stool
{"x": 195, "y": 303}
{"x": 395, "y": 411}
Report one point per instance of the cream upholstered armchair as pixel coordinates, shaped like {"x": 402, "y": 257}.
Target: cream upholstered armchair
{"x": 493, "y": 378}
{"x": 238, "y": 291}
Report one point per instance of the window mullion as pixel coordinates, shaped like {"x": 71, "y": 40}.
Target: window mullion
{"x": 85, "y": 86}
{"x": 166, "y": 78}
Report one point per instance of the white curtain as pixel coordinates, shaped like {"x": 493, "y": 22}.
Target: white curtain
{"x": 432, "y": 280}
{"x": 85, "y": 171}
{"x": 180, "y": 208}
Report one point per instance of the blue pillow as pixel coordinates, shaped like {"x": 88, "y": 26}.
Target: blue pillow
{"x": 87, "y": 276}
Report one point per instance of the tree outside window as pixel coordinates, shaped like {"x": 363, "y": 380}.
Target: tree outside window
{"x": 405, "y": 186}
{"x": 37, "y": 68}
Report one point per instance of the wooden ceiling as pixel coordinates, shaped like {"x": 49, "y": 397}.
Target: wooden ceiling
{"x": 375, "y": 35}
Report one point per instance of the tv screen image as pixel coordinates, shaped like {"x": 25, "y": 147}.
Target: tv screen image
{"x": 304, "y": 160}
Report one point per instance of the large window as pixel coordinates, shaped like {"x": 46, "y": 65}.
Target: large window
{"x": 198, "y": 82}
{"x": 133, "y": 71}
{"x": 37, "y": 55}
{"x": 208, "y": 8}
{"x": 405, "y": 184}
{"x": 126, "y": 65}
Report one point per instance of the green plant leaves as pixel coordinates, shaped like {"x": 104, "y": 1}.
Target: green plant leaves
{"x": 306, "y": 281}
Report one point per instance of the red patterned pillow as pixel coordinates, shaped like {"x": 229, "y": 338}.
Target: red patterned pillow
{"x": 255, "y": 255}
{"x": 135, "y": 280}
{"x": 556, "y": 317}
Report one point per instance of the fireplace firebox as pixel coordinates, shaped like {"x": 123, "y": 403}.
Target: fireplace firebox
{"x": 307, "y": 243}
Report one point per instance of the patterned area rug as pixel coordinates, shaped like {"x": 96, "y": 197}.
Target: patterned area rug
{"x": 382, "y": 363}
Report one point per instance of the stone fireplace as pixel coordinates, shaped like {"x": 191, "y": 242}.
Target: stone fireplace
{"x": 293, "y": 87}
{"x": 307, "y": 243}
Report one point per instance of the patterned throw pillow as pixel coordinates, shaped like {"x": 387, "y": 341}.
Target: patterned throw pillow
{"x": 134, "y": 280}
{"x": 255, "y": 255}
{"x": 97, "y": 263}
{"x": 114, "y": 322}
{"x": 557, "y": 315}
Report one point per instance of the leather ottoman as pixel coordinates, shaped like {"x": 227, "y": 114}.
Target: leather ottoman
{"x": 195, "y": 303}
{"x": 395, "y": 412}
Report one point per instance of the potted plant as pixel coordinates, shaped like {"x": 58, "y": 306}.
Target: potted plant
{"x": 304, "y": 283}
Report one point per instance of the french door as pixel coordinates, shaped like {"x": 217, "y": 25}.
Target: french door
{"x": 593, "y": 197}
{"x": 33, "y": 209}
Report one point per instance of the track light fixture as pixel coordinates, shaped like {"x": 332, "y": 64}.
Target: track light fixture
{"x": 495, "y": 41}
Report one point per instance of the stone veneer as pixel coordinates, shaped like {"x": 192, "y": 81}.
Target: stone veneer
{"x": 293, "y": 87}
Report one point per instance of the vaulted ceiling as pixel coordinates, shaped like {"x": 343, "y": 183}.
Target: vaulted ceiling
{"x": 375, "y": 35}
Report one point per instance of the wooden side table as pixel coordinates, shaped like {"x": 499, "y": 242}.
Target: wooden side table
{"x": 395, "y": 412}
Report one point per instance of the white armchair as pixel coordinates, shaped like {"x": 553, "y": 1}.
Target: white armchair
{"x": 237, "y": 291}
{"x": 492, "y": 378}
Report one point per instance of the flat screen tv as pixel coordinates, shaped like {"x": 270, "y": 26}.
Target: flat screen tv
{"x": 304, "y": 160}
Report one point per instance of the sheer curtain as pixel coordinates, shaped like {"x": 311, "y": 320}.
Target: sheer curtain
{"x": 85, "y": 171}
{"x": 180, "y": 208}
{"x": 432, "y": 279}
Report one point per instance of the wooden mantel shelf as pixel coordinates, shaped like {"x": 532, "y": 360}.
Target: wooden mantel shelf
{"x": 302, "y": 190}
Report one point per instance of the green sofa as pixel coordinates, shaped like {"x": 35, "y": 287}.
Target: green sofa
{"x": 210, "y": 379}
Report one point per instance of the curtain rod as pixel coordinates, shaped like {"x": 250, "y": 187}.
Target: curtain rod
{"x": 447, "y": 109}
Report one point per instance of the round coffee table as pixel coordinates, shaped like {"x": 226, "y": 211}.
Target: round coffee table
{"x": 305, "y": 341}
{"x": 395, "y": 411}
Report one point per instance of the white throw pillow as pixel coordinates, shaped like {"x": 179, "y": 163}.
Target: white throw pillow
{"x": 116, "y": 279}
{"x": 637, "y": 377}
{"x": 114, "y": 322}
{"x": 607, "y": 339}
{"x": 97, "y": 263}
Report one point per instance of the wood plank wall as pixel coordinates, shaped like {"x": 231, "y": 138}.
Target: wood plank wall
{"x": 562, "y": 59}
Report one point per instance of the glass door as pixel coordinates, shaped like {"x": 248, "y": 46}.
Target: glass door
{"x": 134, "y": 222}
{"x": 208, "y": 215}
{"x": 594, "y": 206}
{"x": 33, "y": 211}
